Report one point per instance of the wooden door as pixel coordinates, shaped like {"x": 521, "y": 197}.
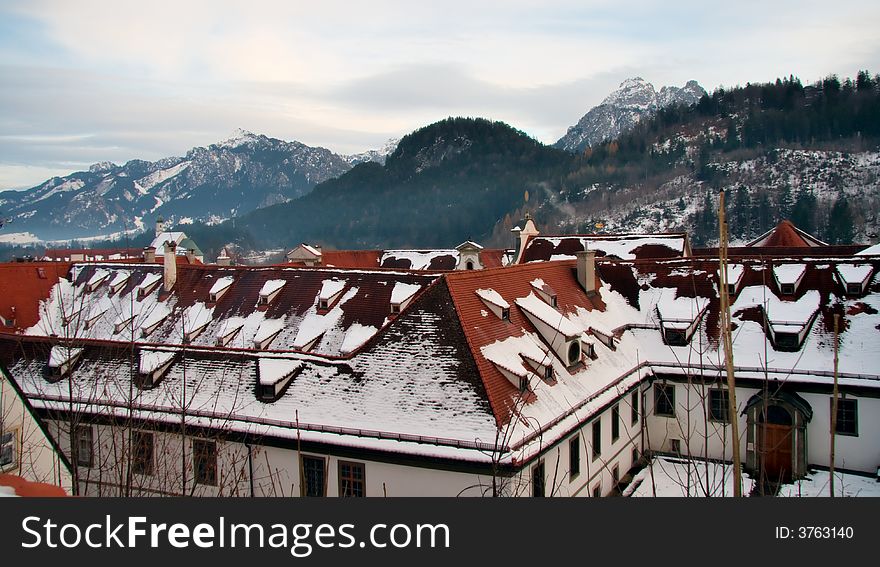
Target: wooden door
{"x": 775, "y": 448}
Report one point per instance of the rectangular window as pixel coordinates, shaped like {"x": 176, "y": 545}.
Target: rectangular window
{"x": 787, "y": 289}
{"x": 205, "y": 462}
{"x": 538, "y": 486}
{"x": 597, "y": 491}
{"x": 615, "y": 423}
{"x": 635, "y": 456}
{"x": 8, "y": 449}
{"x": 615, "y": 475}
{"x": 352, "y": 479}
{"x": 719, "y": 405}
{"x": 142, "y": 452}
{"x": 314, "y": 476}
{"x": 84, "y": 446}
{"x": 664, "y": 400}
{"x": 574, "y": 457}
{"x": 634, "y": 408}
{"x": 597, "y": 439}
{"x": 847, "y": 416}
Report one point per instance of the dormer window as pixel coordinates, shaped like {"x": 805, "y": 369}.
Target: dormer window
{"x": 219, "y": 289}
{"x": 731, "y": 289}
{"x": 496, "y": 304}
{"x": 148, "y": 285}
{"x": 789, "y": 277}
{"x": 402, "y": 295}
{"x": 523, "y": 384}
{"x": 855, "y": 278}
{"x": 274, "y": 376}
{"x": 119, "y": 281}
{"x": 545, "y": 292}
{"x": 788, "y": 322}
{"x": 331, "y": 291}
{"x": 574, "y": 353}
{"x": 62, "y": 359}
{"x": 680, "y": 317}
{"x": 469, "y": 265}
{"x": 270, "y": 291}
{"x": 395, "y": 308}
{"x": 548, "y": 373}
{"x": 589, "y": 349}
{"x": 604, "y": 337}
{"x": 154, "y": 365}
{"x": 675, "y": 337}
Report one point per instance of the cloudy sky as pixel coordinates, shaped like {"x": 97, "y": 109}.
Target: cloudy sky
{"x": 92, "y": 80}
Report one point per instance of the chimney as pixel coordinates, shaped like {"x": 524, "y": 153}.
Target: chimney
{"x": 586, "y": 270}
{"x": 190, "y": 255}
{"x": 149, "y": 255}
{"x": 223, "y": 259}
{"x": 170, "y": 271}
{"x": 160, "y": 226}
{"x": 529, "y": 230}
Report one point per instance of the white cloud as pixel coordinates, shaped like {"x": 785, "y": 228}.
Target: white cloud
{"x": 108, "y": 80}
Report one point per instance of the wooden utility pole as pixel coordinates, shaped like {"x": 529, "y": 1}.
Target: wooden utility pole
{"x": 728, "y": 346}
{"x": 833, "y": 408}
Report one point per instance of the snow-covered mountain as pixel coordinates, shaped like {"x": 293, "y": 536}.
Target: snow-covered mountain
{"x": 377, "y": 156}
{"x": 633, "y": 101}
{"x": 208, "y": 184}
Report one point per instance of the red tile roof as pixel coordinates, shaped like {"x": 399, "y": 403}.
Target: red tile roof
{"x": 544, "y": 247}
{"x": 64, "y": 254}
{"x": 788, "y": 235}
{"x": 510, "y": 282}
{"x": 24, "y": 487}
{"x": 24, "y": 285}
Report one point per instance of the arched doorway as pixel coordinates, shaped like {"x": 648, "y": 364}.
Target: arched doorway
{"x": 777, "y": 436}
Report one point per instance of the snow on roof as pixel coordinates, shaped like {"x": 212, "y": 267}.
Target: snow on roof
{"x": 267, "y": 328}
{"x": 314, "y": 324}
{"x": 152, "y": 360}
{"x": 623, "y": 246}
{"x": 159, "y": 241}
{"x": 311, "y": 249}
{"x": 273, "y": 370}
{"x": 229, "y": 325}
{"x": 418, "y": 259}
{"x": 789, "y": 273}
{"x": 156, "y": 313}
{"x": 119, "y": 277}
{"x": 221, "y": 284}
{"x": 735, "y": 273}
{"x": 493, "y": 297}
{"x": 509, "y": 352}
{"x": 330, "y": 288}
{"x": 60, "y": 355}
{"x": 468, "y": 244}
{"x": 149, "y": 280}
{"x": 870, "y": 251}
{"x": 855, "y": 273}
{"x": 271, "y": 286}
{"x": 356, "y": 336}
{"x": 98, "y": 277}
{"x": 403, "y": 291}
{"x": 197, "y": 316}
{"x": 672, "y": 308}
{"x": 534, "y": 306}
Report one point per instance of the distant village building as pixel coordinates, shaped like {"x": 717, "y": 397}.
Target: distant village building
{"x": 550, "y": 377}
{"x": 459, "y": 258}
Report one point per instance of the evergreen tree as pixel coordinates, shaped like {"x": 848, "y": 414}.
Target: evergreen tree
{"x": 763, "y": 213}
{"x": 803, "y": 213}
{"x": 783, "y": 203}
{"x": 741, "y": 213}
{"x": 840, "y": 222}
